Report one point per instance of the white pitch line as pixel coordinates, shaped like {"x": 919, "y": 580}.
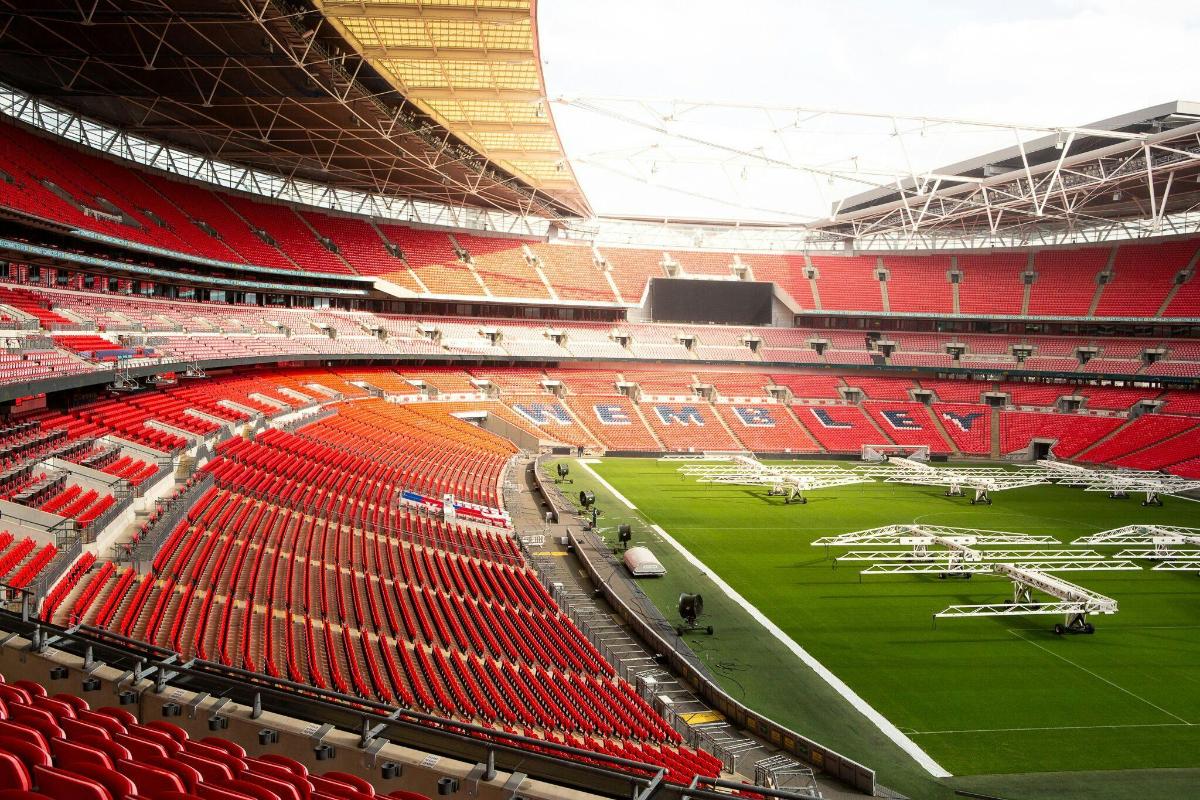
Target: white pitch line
{"x": 862, "y": 706}
{"x": 605, "y": 483}
{"x": 1058, "y": 728}
{"x": 1099, "y": 677}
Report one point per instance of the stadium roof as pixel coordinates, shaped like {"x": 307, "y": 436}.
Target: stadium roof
{"x": 279, "y": 87}
{"x": 473, "y": 66}
{"x": 1140, "y": 167}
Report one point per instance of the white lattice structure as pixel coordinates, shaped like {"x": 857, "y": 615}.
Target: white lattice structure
{"x": 1174, "y": 548}
{"x": 789, "y": 482}
{"x": 957, "y": 553}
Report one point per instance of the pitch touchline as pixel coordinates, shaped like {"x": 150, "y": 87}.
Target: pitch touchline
{"x": 837, "y": 684}
{"x": 885, "y": 725}
{"x": 1058, "y": 728}
{"x": 1099, "y": 677}
{"x": 605, "y": 484}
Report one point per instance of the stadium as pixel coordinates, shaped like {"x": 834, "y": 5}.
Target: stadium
{"x": 379, "y": 420}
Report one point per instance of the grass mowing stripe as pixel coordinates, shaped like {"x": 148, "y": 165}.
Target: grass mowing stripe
{"x": 1053, "y": 728}
{"x": 862, "y": 706}
{"x": 973, "y": 676}
{"x": 1100, "y": 677}
{"x": 606, "y": 484}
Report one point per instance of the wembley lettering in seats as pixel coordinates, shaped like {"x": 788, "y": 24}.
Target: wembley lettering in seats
{"x": 683, "y": 415}
{"x": 900, "y": 420}
{"x": 827, "y": 421}
{"x": 754, "y": 416}
{"x": 543, "y": 413}
{"x": 611, "y": 415}
{"x": 962, "y": 421}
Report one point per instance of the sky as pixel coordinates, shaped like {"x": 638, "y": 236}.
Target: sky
{"x": 1049, "y": 63}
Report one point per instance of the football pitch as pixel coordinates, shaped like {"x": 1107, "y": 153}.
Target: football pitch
{"x": 1001, "y": 703}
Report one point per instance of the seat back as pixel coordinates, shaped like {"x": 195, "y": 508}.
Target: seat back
{"x": 185, "y": 772}
{"x": 118, "y": 784}
{"x": 13, "y": 773}
{"x": 150, "y": 780}
{"x": 59, "y": 783}
{"x": 69, "y": 755}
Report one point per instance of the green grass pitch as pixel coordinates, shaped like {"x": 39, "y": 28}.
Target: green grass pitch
{"x": 1002, "y": 703}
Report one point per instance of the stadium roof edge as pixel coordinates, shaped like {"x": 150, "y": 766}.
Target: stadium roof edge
{"x": 1120, "y": 124}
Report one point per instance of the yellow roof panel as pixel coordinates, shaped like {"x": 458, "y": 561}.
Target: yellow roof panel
{"x": 472, "y": 66}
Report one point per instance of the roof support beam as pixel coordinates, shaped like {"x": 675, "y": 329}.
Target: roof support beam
{"x": 415, "y": 11}
{"x": 384, "y": 51}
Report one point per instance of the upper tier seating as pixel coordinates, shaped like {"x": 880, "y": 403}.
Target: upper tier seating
{"x": 503, "y": 267}
{"x": 1066, "y": 281}
{"x": 919, "y": 283}
{"x": 848, "y": 283}
{"x": 991, "y": 284}
{"x": 1144, "y": 274}
{"x": 59, "y": 182}
{"x": 573, "y": 272}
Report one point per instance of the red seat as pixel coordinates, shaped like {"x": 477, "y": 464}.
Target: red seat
{"x": 252, "y": 789}
{"x": 34, "y": 689}
{"x": 212, "y": 771}
{"x": 56, "y": 707}
{"x": 23, "y": 734}
{"x": 69, "y": 755}
{"x": 163, "y": 740}
{"x": 118, "y": 785}
{"x": 36, "y": 718}
{"x": 75, "y": 701}
{"x": 62, "y": 785}
{"x": 30, "y": 753}
{"x": 361, "y": 785}
{"x": 139, "y": 748}
{"x": 115, "y": 751}
{"x": 14, "y": 694}
{"x": 297, "y": 784}
{"x": 233, "y": 748}
{"x": 21, "y": 794}
{"x": 119, "y": 714}
{"x": 170, "y": 728}
{"x": 74, "y": 728}
{"x": 150, "y": 780}
{"x": 190, "y": 776}
{"x": 13, "y": 772}
{"x": 290, "y": 764}
{"x": 236, "y": 765}
{"x": 208, "y": 791}
{"x": 110, "y": 724}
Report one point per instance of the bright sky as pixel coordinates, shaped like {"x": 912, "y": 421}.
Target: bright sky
{"x": 1037, "y": 62}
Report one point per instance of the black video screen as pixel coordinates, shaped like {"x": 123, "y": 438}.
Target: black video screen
{"x": 722, "y": 302}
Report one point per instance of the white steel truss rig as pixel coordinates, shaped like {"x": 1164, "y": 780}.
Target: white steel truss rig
{"x": 789, "y": 482}
{"x": 1119, "y": 483}
{"x": 984, "y": 480}
{"x": 954, "y": 552}
{"x": 1160, "y": 543}
{"x": 1071, "y": 600}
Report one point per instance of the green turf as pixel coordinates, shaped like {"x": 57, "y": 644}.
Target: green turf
{"x": 982, "y": 697}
